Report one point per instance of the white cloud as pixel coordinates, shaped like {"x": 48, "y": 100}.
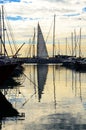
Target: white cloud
{"x": 43, "y": 11}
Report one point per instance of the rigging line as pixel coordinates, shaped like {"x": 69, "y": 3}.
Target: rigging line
{"x": 9, "y": 43}
{"x": 29, "y": 50}
{"x": 19, "y": 49}
{"x": 23, "y": 79}
{"x": 75, "y": 47}
{"x": 49, "y": 32}
{"x": 69, "y": 49}
{"x": 60, "y": 52}
{"x": 29, "y": 79}
{"x": 4, "y": 47}
{"x": 10, "y": 28}
{"x": 67, "y": 46}
{"x": 28, "y": 99}
{"x": 11, "y": 34}
{"x": 33, "y": 93}
{"x": 8, "y": 24}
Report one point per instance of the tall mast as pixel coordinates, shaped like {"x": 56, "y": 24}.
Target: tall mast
{"x": 54, "y": 37}
{"x": 34, "y": 44}
{"x": 80, "y": 44}
{"x": 75, "y": 41}
{"x": 0, "y": 33}
{"x": 3, "y": 28}
{"x": 66, "y": 46}
{"x": 72, "y": 42}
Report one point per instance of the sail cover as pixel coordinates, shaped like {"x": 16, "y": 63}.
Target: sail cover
{"x": 41, "y": 46}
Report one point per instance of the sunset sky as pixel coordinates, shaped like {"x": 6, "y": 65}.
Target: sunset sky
{"x": 24, "y": 15}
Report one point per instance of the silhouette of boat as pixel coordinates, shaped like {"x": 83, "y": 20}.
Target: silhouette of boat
{"x": 6, "y": 108}
{"x": 80, "y": 64}
{"x": 7, "y": 64}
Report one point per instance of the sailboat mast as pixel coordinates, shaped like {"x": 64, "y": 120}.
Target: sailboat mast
{"x": 72, "y": 42}
{"x": 3, "y": 28}
{"x": 0, "y": 33}
{"x": 66, "y": 46}
{"x": 37, "y": 40}
{"x": 34, "y": 44}
{"x": 75, "y": 41}
{"x": 54, "y": 37}
{"x": 80, "y": 44}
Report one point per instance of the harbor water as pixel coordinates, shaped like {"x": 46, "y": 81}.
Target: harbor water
{"x": 48, "y": 97}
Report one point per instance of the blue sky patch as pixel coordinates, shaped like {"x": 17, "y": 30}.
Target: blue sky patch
{"x": 1, "y": 2}
{"x": 9, "y": 1}
{"x": 84, "y": 9}
{"x": 70, "y": 15}
{"x": 15, "y": 18}
{"x": 14, "y": 0}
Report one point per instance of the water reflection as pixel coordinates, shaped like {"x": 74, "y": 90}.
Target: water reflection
{"x": 7, "y": 108}
{"x": 51, "y": 96}
{"x": 74, "y": 79}
{"x": 42, "y": 71}
{"x": 59, "y": 77}
{"x": 60, "y": 121}
{"x": 66, "y": 87}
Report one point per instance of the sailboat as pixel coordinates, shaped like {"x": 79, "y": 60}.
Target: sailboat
{"x": 7, "y": 65}
{"x": 42, "y": 53}
{"x": 41, "y": 45}
{"x": 42, "y": 56}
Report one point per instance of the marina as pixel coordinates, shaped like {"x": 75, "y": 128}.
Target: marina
{"x": 42, "y": 83}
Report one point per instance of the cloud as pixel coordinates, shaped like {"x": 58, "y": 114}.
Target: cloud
{"x": 25, "y": 14}
{"x": 25, "y": 1}
{"x": 61, "y": 1}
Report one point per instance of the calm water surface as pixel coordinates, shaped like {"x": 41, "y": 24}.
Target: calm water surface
{"x": 50, "y": 97}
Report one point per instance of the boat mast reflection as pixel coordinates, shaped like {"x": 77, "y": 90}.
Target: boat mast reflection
{"x": 54, "y": 85}
{"x": 34, "y": 79}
